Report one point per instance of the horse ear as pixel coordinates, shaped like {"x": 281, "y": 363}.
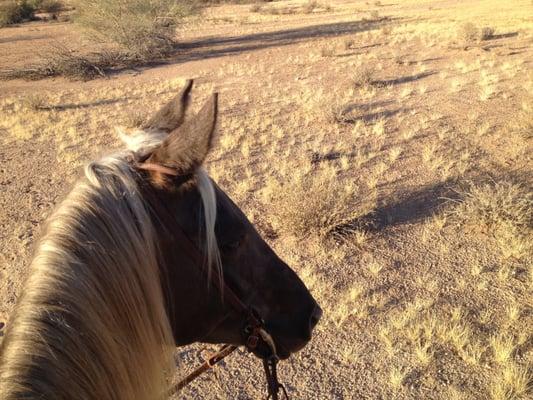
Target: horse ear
{"x": 171, "y": 116}
{"x": 185, "y": 148}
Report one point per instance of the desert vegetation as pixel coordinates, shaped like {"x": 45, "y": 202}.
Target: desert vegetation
{"x": 12, "y": 12}
{"x": 383, "y": 149}
{"x": 146, "y": 29}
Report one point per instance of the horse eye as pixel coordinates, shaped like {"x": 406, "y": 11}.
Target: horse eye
{"x": 231, "y": 246}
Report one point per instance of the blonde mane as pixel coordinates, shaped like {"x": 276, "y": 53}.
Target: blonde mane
{"x": 92, "y": 310}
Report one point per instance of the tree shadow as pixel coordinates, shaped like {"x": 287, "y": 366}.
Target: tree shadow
{"x": 75, "y": 106}
{"x": 222, "y": 46}
{"x": 22, "y": 38}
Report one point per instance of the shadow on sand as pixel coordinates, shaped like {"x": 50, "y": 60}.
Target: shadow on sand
{"x": 212, "y": 47}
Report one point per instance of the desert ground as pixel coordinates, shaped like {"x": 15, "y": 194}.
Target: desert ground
{"x": 383, "y": 149}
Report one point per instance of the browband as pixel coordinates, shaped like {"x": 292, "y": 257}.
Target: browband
{"x": 148, "y": 166}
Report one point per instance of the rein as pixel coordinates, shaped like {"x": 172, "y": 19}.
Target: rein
{"x": 254, "y": 332}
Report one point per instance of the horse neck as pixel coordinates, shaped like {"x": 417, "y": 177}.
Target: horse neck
{"x": 91, "y": 322}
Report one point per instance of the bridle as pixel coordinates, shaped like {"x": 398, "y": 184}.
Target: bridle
{"x": 254, "y": 331}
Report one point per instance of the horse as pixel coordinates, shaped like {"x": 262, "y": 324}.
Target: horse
{"x": 116, "y": 281}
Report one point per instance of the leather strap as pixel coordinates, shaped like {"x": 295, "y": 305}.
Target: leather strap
{"x": 147, "y": 166}
{"x": 225, "y": 351}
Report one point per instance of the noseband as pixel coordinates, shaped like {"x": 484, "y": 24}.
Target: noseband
{"x": 253, "y": 332}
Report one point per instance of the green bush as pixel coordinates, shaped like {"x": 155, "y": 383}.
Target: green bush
{"x": 13, "y": 12}
{"x": 144, "y": 29}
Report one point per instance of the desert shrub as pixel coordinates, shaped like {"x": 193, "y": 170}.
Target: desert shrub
{"x": 51, "y": 6}
{"x": 332, "y": 106}
{"x": 363, "y": 77}
{"x": 278, "y": 10}
{"x": 208, "y": 2}
{"x": 66, "y": 62}
{"x": 319, "y": 204}
{"x": 145, "y": 29}
{"x": 335, "y": 108}
{"x": 469, "y": 32}
{"x": 487, "y": 33}
{"x": 307, "y": 8}
{"x": 310, "y": 6}
{"x": 327, "y": 50}
{"x": 494, "y": 203}
{"x": 255, "y": 8}
{"x": 60, "y": 60}
{"x": 523, "y": 125}
{"x": 34, "y": 102}
{"x": 386, "y": 30}
{"x": 349, "y": 43}
{"x": 13, "y": 12}
{"x": 505, "y": 211}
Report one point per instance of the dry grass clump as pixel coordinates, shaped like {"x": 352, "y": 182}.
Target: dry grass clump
{"x": 498, "y": 203}
{"x": 487, "y": 33}
{"x": 333, "y": 107}
{"x": 15, "y": 11}
{"x": 523, "y": 125}
{"x": 34, "y": 102}
{"x": 512, "y": 382}
{"x": 374, "y": 16}
{"x": 503, "y": 209}
{"x": 320, "y": 204}
{"x": 349, "y": 43}
{"x": 363, "y": 77}
{"x": 328, "y": 50}
{"x": 310, "y": 7}
{"x": 255, "y": 7}
{"x": 335, "y": 111}
{"x": 274, "y": 10}
{"x": 48, "y": 6}
{"x": 60, "y": 60}
{"x": 397, "y": 377}
{"x": 469, "y": 33}
{"x": 313, "y": 5}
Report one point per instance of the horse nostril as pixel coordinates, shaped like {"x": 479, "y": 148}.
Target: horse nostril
{"x": 315, "y": 317}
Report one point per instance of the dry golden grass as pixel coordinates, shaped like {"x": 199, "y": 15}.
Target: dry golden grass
{"x": 396, "y": 378}
{"x": 505, "y": 210}
{"x": 512, "y": 382}
{"x": 320, "y": 204}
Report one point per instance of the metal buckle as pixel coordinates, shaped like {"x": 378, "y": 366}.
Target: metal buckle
{"x": 251, "y": 342}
